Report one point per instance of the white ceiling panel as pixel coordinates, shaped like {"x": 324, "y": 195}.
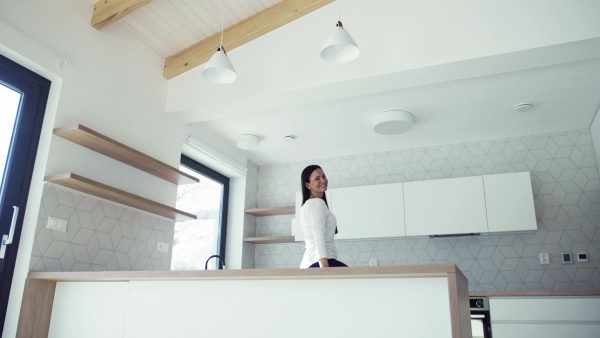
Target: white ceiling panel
{"x": 168, "y": 26}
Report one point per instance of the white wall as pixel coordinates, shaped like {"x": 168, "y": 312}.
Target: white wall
{"x": 595, "y": 130}
{"x": 113, "y": 84}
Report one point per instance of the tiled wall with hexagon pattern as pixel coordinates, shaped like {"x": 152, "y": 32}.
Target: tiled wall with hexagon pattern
{"x": 100, "y": 236}
{"x": 566, "y": 190}
{"x": 248, "y": 250}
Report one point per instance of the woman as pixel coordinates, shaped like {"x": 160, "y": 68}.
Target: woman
{"x": 318, "y": 224}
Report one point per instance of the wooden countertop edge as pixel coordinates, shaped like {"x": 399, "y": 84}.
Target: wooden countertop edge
{"x": 413, "y": 271}
{"x": 535, "y": 293}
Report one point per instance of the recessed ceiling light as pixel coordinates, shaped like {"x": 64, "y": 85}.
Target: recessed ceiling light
{"x": 393, "y": 122}
{"x": 247, "y": 142}
{"x": 523, "y": 107}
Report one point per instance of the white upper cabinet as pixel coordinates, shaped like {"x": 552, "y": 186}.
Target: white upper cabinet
{"x": 509, "y": 201}
{"x": 442, "y": 207}
{"x": 478, "y": 204}
{"x": 371, "y": 211}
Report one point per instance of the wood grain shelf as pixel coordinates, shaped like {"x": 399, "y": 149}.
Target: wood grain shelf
{"x": 270, "y": 240}
{"x": 104, "y": 145}
{"x": 287, "y": 210}
{"x": 90, "y": 187}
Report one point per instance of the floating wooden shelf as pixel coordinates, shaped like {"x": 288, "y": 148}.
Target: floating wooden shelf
{"x": 106, "y": 146}
{"x": 270, "y": 240}
{"x": 288, "y": 210}
{"x": 90, "y": 187}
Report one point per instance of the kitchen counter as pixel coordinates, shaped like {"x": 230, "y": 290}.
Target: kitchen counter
{"x": 535, "y": 294}
{"x": 408, "y": 295}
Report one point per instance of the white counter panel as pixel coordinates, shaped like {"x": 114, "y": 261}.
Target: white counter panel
{"x": 386, "y": 307}
{"x": 90, "y": 310}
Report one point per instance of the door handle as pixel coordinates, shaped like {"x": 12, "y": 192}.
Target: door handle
{"x": 8, "y": 239}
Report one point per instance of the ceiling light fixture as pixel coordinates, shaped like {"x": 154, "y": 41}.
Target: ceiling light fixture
{"x": 523, "y": 107}
{"x": 219, "y": 69}
{"x": 392, "y": 122}
{"x": 339, "y": 46}
{"x": 289, "y": 138}
{"x": 247, "y": 142}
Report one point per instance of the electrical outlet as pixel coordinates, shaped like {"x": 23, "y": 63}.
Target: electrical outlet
{"x": 373, "y": 262}
{"x": 544, "y": 258}
{"x": 162, "y": 247}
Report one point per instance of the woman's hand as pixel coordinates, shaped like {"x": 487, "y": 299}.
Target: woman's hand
{"x": 324, "y": 262}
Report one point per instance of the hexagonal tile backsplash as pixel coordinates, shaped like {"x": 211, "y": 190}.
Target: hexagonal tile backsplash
{"x": 566, "y": 190}
{"x": 100, "y": 236}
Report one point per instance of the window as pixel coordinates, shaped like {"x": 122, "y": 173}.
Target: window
{"x": 196, "y": 240}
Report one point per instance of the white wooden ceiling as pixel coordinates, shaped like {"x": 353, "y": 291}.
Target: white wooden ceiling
{"x": 168, "y": 26}
{"x": 459, "y": 66}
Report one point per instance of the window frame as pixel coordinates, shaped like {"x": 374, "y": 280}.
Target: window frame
{"x": 224, "y": 180}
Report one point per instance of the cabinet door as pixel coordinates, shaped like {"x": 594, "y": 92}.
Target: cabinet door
{"x": 372, "y": 211}
{"x": 509, "y": 202}
{"x": 442, "y": 207}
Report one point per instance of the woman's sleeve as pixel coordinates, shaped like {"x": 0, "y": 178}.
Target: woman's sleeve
{"x": 318, "y": 215}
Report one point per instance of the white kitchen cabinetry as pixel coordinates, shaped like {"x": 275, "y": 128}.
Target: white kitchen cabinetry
{"x": 370, "y": 211}
{"x": 548, "y": 317}
{"x": 441, "y": 207}
{"x": 478, "y": 204}
{"x": 92, "y": 309}
{"x": 509, "y": 202}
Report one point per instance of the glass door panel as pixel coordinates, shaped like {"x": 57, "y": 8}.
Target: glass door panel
{"x": 196, "y": 240}
{"x": 9, "y": 107}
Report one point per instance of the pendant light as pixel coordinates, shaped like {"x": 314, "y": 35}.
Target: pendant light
{"x": 219, "y": 69}
{"x": 339, "y": 46}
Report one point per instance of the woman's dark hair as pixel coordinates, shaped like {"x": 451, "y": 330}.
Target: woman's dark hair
{"x": 305, "y": 178}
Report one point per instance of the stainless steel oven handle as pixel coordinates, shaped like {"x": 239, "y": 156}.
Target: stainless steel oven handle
{"x": 8, "y": 239}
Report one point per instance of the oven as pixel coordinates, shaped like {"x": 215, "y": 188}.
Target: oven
{"x": 480, "y": 317}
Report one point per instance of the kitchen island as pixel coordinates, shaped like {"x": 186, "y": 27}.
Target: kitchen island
{"x": 391, "y": 301}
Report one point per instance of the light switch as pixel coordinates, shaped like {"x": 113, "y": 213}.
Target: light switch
{"x": 566, "y": 258}
{"x": 57, "y": 224}
{"x": 582, "y": 257}
{"x": 373, "y": 262}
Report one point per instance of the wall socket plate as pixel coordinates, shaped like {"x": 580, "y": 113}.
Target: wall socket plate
{"x": 162, "y": 247}
{"x": 373, "y": 262}
{"x": 544, "y": 258}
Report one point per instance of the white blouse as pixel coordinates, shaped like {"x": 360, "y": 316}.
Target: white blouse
{"x": 318, "y": 226}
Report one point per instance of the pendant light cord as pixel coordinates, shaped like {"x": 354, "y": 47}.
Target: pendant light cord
{"x": 339, "y": 10}
{"x": 222, "y": 24}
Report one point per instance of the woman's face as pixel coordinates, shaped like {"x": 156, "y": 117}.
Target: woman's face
{"x": 318, "y": 182}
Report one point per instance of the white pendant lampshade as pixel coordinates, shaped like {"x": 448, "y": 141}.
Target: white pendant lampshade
{"x": 219, "y": 69}
{"x": 339, "y": 46}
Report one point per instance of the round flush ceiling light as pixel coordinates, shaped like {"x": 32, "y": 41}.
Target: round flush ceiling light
{"x": 247, "y": 142}
{"x": 523, "y": 107}
{"x": 392, "y": 122}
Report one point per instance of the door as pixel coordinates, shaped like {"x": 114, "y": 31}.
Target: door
{"x": 23, "y": 97}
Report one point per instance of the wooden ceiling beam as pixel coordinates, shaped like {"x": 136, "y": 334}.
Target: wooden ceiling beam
{"x": 107, "y": 12}
{"x": 242, "y": 32}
